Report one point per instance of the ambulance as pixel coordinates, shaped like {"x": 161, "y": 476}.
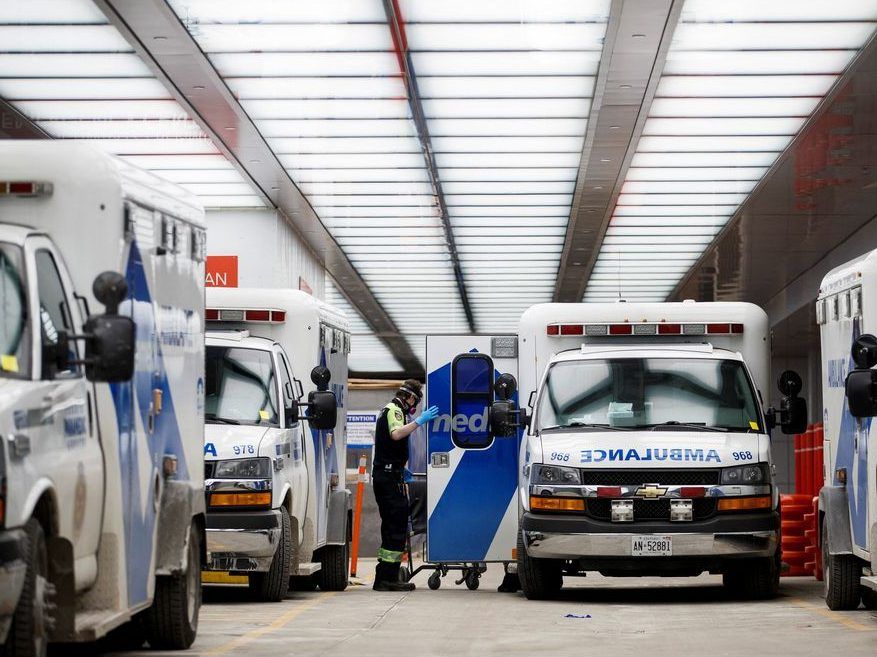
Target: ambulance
{"x": 847, "y": 318}
{"x": 278, "y": 508}
{"x": 101, "y": 400}
{"x": 640, "y": 446}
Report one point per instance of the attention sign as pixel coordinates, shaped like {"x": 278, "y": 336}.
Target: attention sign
{"x": 222, "y": 271}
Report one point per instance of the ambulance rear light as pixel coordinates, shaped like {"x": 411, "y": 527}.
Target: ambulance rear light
{"x": 24, "y": 188}
{"x": 643, "y": 329}
{"x": 262, "y": 315}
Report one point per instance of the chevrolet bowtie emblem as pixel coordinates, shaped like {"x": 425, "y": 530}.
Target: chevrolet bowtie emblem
{"x": 650, "y": 490}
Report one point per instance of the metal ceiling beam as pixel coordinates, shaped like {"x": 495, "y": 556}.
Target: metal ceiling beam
{"x": 406, "y": 65}
{"x": 637, "y": 40}
{"x": 15, "y": 125}
{"x": 167, "y": 48}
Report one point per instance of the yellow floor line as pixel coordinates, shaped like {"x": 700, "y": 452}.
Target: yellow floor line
{"x": 277, "y": 624}
{"x": 837, "y": 617}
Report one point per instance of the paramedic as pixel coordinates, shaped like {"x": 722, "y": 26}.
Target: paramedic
{"x": 391, "y": 455}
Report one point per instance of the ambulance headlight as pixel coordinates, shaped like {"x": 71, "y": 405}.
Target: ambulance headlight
{"x": 746, "y": 475}
{"x": 555, "y": 474}
{"x": 258, "y": 468}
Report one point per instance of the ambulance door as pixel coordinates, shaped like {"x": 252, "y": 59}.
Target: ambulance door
{"x": 472, "y": 512}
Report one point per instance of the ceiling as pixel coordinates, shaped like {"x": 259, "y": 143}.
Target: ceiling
{"x": 452, "y": 162}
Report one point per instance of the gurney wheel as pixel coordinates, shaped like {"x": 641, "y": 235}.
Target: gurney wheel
{"x": 472, "y": 580}
{"x": 435, "y": 581}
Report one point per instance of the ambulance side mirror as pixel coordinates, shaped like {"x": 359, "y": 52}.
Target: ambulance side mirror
{"x": 861, "y": 391}
{"x": 792, "y": 414}
{"x": 505, "y": 417}
{"x": 322, "y": 409}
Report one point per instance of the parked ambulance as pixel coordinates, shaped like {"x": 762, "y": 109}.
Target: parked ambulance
{"x": 847, "y": 318}
{"x": 101, "y": 398}
{"x": 645, "y": 449}
{"x": 278, "y": 504}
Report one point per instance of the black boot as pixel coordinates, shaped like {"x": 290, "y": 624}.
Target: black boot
{"x": 387, "y": 578}
{"x": 510, "y": 583}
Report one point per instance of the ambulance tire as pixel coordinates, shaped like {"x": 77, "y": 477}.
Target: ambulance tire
{"x": 31, "y": 623}
{"x": 754, "y": 579}
{"x": 869, "y": 598}
{"x": 841, "y": 574}
{"x": 273, "y": 585}
{"x": 171, "y": 623}
{"x": 541, "y": 579}
{"x": 334, "y": 567}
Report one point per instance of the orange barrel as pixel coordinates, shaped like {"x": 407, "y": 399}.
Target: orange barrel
{"x": 817, "y": 571}
{"x": 795, "y": 511}
{"x": 808, "y": 461}
{"x": 794, "y": 543}
{"x": 793, "y": 527}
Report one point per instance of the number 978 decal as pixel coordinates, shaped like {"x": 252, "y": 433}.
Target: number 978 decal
{"x": 742, "y": 456}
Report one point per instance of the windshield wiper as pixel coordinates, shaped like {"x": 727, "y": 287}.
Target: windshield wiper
{"x": 587, "y": 425}
{"x": 685, "y": 425}
{"x": 221, "y": 420}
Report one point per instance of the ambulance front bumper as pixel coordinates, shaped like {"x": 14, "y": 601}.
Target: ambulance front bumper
{"x": 12, "y": 574}
{"x": 242, "y": 541}
{"x": 712, "y": 541}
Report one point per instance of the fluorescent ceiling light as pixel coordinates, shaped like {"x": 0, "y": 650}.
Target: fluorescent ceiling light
{"x": 291, "y": 86}
{"x": 493, "y": 11}
{"x": 733, "y": 107}
{"x": 122, "y": 129}
{"x": 508, "y": 187}
{"x": 508, "y": 211}
{"x": 271, "y": 11}
{"x": 680, "y": 199}
{"x": 286, "y": 37}
{"x": 327, "y": 145}
{"x": 688, "y": 187}
{"x": 310, "y": 64}
{"x": 366, "y": 188}
{"x": 419, "y": 211}
{"x": 693, "y": 160}
{"x": 38, "y": 110}
{"x": 507, "y": 144}
{"x": 62, "y": 39}
{"x": 696, "y": 173}
{"x": 56, "y": 88}
{"x": 179, "y": 162}
{"x": 778, "y": 10}
{"x": 674, "y": 211}
{"x": 494, "y": 200}
{"x": 713, "y": 143}
{"x": 652, "y": 221}
{"x": 507, "y": 127}
{"x": 347, "y": 160}
{"x": 755, "y": 86}
{"x": 337, "y": 128}
{"x": 463, "y": 174}
{"x": 507, "y": 63}
{"x": 502, "y": 108}
{"x": 327, "y": 108}
{"x": 506, "y": 36}
{"x": 73, "y": 65}
{"x": 772, "y": 62}
{"x": 771, "y": 36}
{"x": 219, "y": 189}
{"x": 156, "y": 146}
{"x": 375, "y": 200}
{"x": 214, "y": 176}
{"x": 724, "y": 126}
{"x": 355, "y": 175}
{"x": 505, "y": 87}
{"x": 51, "y": 11}
{"x": 500, "y": 160}
{"x": 232, "y": 201}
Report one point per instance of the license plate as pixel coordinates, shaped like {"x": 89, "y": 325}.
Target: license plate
{"x": 651, "y": 546}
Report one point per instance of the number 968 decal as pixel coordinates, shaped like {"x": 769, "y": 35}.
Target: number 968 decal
{"x": 741, "y": 456}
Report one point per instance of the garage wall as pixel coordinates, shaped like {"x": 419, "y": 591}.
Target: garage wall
{"x": 269, "y": 252}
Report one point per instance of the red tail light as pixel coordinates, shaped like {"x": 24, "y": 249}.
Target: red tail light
{"x": 669, "y": 329}
{"x": 211, "y": 315}
{"x": 258, "y": 316}
{"x": 736, "y": 328}
{"x": 553, "y": 329}
{"x": 572, "y": 329}
{"x": 620, "y": 329}
{"x": 278, "y": 316}
{"x": 718, "y": 328}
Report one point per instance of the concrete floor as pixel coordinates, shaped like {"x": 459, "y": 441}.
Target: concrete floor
{"x": 594, "y": 616}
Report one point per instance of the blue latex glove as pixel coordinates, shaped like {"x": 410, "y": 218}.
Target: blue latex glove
{"x": 407, "y": 477}
{"x": 430, "y": 413}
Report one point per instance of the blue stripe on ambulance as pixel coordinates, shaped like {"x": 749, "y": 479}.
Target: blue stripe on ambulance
{"x": 165, "y": 439}
{"x": 857, "y": 487}
{"x": 456, "y": 533}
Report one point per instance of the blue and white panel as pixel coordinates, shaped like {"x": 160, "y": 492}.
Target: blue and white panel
{"x": 471, "y": 478}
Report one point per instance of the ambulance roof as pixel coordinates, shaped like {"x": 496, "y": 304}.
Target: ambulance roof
{"x": 849, "y": 274}
{"x": 701, "y": 350}
{"x": 292, "y": 301}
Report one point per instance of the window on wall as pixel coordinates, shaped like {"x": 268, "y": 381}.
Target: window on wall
{"x": 471, "y": 397}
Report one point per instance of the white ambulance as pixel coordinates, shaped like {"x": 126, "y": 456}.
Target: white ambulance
{"x": 102, "y": 432}
{"x": 278, "y": 504}
{"x": 847, "y": 316}
{"x": 646, "y": 449}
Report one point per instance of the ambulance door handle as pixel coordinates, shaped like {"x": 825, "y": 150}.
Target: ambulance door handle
{"x": 440, "y": 460}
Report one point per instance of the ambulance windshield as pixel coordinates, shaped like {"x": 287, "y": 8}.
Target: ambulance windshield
{"x": 14, "y": 331}
{"x": 241, "y": 386}
{"x": 659, "y": 394}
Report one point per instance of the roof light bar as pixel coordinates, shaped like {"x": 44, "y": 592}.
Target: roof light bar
{"x": 25, "y": 188}
{"x": 643, "y": 329}
{"x": 265, "y": 316}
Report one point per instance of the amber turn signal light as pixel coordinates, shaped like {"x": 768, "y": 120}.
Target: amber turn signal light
{"x": 240, "y": 499}
{"x": 557, "y": 504}
{"x": 744, "y": 503}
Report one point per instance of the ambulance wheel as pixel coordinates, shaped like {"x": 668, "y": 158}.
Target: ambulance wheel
{"x": 32, "y": 621}
{"x": 404, "y": 574}
{"x": 334, "y": 568}
{"x": 541, "y": 579}
{"x": 869, "y": 598}
{"x": 172, "y": 621}
{"x": 274, "y": 585}
{"x": 754, "y": 579}
{"x": 435, "y": 581}
{"x": 841, "y": 574}
{"x": 472, "y": 580}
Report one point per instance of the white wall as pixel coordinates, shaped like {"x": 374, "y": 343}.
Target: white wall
{"x": 269, "y": 253}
